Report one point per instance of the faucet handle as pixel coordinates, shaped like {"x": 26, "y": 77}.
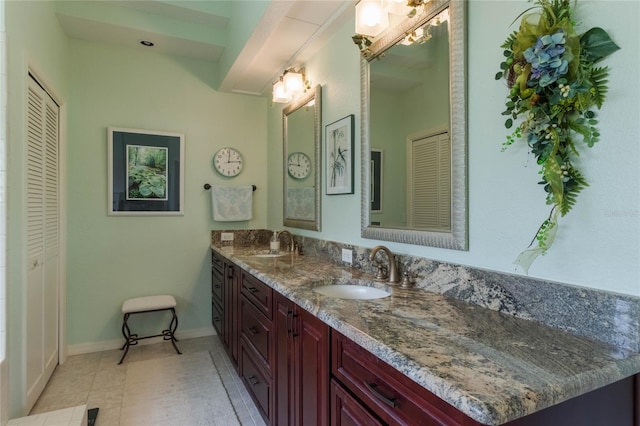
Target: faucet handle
{"x": 381, "y": 275}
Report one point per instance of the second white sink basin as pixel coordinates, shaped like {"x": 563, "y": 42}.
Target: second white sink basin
{"x": 268, "y": 255}
{"x": 346, "y": 291}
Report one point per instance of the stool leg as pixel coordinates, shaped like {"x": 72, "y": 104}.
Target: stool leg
{"x": 126, "y": 332}
{"x": 170, "y": 333}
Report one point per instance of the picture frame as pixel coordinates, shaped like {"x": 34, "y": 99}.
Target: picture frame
{"x": 376, "y": 180}
{"x": 339, "y": 146}
{"x": 145, "y": 172}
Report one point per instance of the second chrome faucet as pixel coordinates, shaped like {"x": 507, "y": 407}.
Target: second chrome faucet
{"x": 394, "y": 276}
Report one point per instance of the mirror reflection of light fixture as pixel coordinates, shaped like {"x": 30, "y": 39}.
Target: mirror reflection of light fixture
{"x": 371, "y": 17}
{"x": 290, "y": 85}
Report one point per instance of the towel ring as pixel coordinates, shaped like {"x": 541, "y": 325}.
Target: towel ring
{"x": 208, "y": 187}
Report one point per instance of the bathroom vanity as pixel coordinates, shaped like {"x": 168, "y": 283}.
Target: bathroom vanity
{"x": 415, "y": 357}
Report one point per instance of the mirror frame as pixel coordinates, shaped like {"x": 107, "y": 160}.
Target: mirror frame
{"x": 457, "y": 238}
{"x": 316, "y": 95}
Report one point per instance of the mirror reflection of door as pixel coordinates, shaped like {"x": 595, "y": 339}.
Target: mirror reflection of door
{"x": 429, "y": 182}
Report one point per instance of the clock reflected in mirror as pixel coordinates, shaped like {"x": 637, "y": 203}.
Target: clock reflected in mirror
{"x": 299, "y": 165}
{"x": 228, "y": 162}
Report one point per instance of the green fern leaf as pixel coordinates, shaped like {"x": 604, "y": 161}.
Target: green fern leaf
{"x": 509, "y": 41}
{"x": 598, "y": 80}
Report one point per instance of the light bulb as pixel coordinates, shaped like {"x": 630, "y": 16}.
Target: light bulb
{"x": 371, "y": 14}
{"x": 279, "y": 93}
{"x": 293, "y": 83}
{"x": 371, "y": 18}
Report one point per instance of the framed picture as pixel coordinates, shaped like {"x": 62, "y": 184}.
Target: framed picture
{"x": 376, "y": 181}
{"x": 339, "y": 156}
{"x": 146, "y": 172}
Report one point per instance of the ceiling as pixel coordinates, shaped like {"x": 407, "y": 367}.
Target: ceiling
{"x": 250, "y": 42}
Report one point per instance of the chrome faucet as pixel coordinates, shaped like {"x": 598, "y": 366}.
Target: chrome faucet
{"x": 393, "y": 269}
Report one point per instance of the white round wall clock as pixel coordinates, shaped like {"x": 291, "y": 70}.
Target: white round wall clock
{"x": 299, "y": 165}
{"x": 228, "y": 162}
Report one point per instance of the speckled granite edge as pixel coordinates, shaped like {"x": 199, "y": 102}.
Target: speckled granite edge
{"x": 603, "y": 316}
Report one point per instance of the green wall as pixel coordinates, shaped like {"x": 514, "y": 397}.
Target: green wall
{"x": 112, "y": 258}
{"x": 598, "y": 244}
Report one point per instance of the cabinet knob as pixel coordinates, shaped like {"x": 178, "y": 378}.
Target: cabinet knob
{"x": 253, "y": 380}
{"x": 252, "y": 330}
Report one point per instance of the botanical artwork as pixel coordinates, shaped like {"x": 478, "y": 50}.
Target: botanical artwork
{"x": 146, "y": 172}
{"x": 339, "y": 139}
{"x": 554, "y": 83}
{"x": 338, "y": 165}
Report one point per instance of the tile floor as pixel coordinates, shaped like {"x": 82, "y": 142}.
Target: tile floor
{"x": 96, "y": 379}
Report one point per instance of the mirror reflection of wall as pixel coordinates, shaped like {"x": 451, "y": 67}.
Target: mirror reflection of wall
{"x": 409, "y": 102}
{"x": 300, "y": 147}
{"x": 301, "y": 136}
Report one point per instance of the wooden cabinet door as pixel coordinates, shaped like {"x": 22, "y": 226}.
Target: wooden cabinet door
{"x": 301, "y": 376}
{"x": 311, "y": 369}
{"x": 231, "y": 311}
{"x": 283, "y": 374}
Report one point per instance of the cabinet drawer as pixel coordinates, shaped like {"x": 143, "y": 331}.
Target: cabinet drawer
{"x": 216, "y": 284}
{"x": 256, "y": 330}
{"x": 347, "y": 410}
{"x": 260, "y": 388}
{"x": 260, "y": 294}
{"x": 217, "y": 261}
{"x": 388, "y": 393}
{"x": 217, "y": 315}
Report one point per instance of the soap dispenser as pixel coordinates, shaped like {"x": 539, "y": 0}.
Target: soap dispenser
{"x": 274, "y": 244}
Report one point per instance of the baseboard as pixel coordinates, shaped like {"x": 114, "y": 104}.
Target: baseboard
{"x": 85, "y": 348}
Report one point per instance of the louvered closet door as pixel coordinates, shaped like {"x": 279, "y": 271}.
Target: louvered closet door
{"x": 42, "y": 240}
{"x": 429, "y": 199}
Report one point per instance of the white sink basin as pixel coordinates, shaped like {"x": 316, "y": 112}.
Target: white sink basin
{"x": 346, "y": 291}
{"x": 268, "y": 253}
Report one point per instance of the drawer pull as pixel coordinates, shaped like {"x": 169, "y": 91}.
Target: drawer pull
{"x": 217, "y": 285}
{"x": 374, "y": 390}
{"x": 289, "y": 321}
{"x": 251, "y": 289}
{"x": 252, "y": 330}
{"x": 253, "y": 380}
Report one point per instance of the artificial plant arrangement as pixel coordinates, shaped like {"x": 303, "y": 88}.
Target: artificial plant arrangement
{"x": 555, "y": 84}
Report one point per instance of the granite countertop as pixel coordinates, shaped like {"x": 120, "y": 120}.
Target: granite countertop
{"x": 491, "y": 366}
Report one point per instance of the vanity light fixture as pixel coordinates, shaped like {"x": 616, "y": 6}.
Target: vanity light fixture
{"x": 371, "y": 17}
{"x": 279, "y": 93}
{"x": 290, "y": 85}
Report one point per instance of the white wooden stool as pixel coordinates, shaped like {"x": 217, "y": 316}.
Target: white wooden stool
{"x": 140, "y": 305}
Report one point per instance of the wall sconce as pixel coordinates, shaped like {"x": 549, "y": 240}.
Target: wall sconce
{"x": 290, "y": 84}
{"x": 371, "y": 17}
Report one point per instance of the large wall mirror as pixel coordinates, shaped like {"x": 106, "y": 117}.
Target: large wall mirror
{"x": 302, "y": 139}
{"x": 414, "y": 131}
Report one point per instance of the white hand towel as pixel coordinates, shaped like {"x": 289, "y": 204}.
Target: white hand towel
{"x": 232, "y": 203}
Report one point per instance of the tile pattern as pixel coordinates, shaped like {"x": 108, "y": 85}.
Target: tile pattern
{"x": 488, "y": 363}
{"x": 124, "y": 392}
